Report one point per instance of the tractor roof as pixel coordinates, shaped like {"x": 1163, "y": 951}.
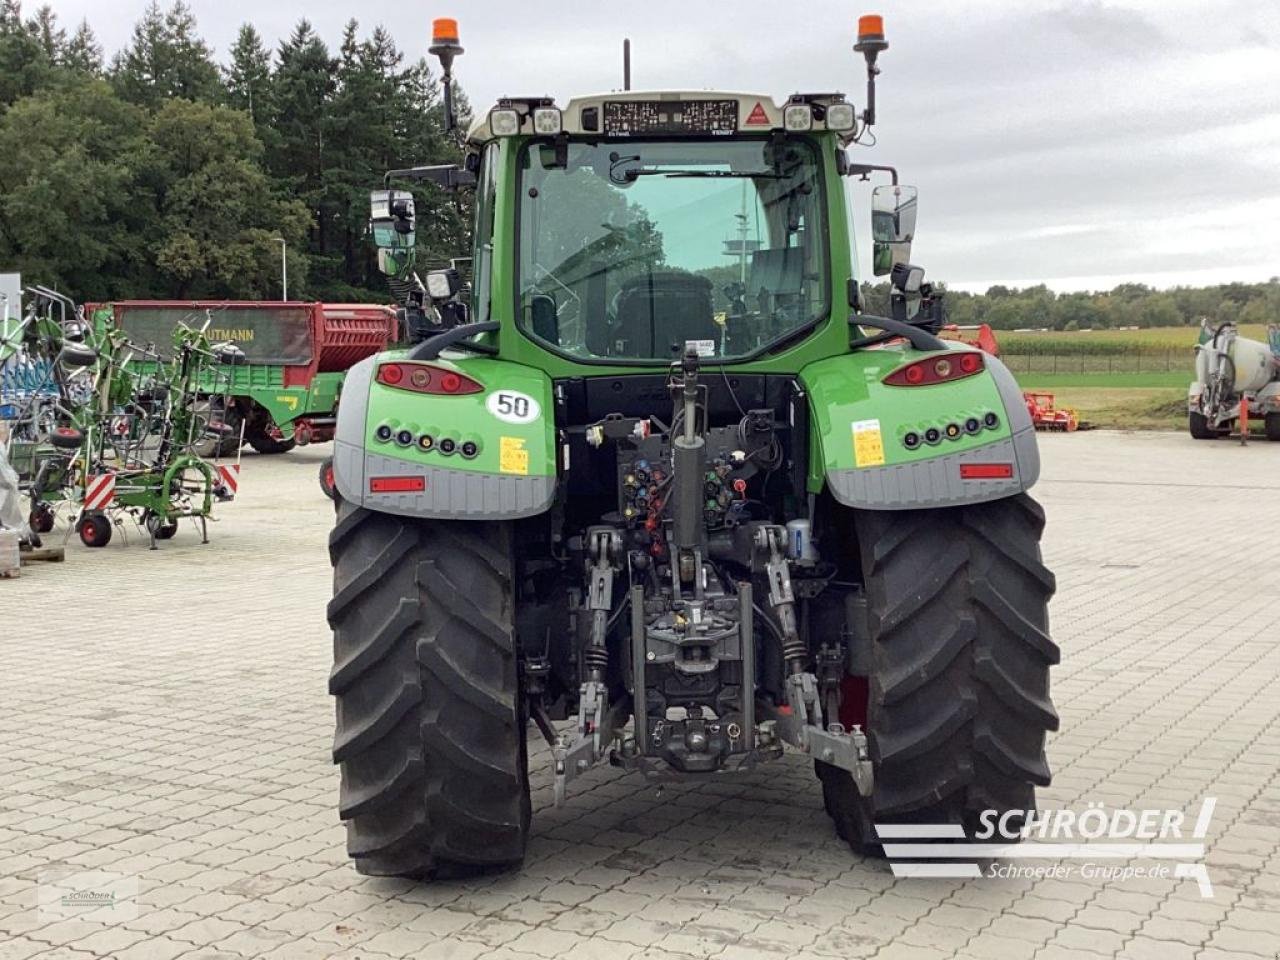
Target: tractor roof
{"x": 659, "y": 113}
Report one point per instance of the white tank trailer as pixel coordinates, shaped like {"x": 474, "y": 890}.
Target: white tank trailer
{"x": 1231, "y": 370}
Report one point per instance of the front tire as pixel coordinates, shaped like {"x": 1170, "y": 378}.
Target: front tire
{"x": 1272, "y": 422}
{"x": 959, "y": 707}
{"x": 430, "y": 724}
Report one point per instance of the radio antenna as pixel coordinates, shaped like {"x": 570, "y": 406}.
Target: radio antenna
{"x": 626, "y": 64}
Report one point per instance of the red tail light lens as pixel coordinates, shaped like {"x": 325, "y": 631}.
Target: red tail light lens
{"x": 953, "y": 365}
{"x": 397, "y": 484}
{"x": 986, "y": 471}
{"x": 424, "y": 378}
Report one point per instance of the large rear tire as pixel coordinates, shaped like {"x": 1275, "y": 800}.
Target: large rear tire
{"x": 958, "y": 707}
{"x": 430, "y": 722}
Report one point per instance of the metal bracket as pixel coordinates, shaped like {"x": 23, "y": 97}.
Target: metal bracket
{"x": 587, "y": 746}
{"x": 848, "y": 751}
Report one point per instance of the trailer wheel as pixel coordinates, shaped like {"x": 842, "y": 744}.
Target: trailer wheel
{"x": 263, "y": 442}
{"x": 958, "y": 704}
{"x": 66, "y": 438}
{"x": 327, "y": 483}
{"x": 94, "y": 529}
{"x": 430, "y": 722}
{"x": 1199, "y": 426}
{"x": 1272, "y": 422}
{"x": 40, "y": 520}
{"x": 160, "y": 528}
{"x": 220, "y": 441}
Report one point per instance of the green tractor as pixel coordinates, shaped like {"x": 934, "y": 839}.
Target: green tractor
{"x": 656, "y": 482}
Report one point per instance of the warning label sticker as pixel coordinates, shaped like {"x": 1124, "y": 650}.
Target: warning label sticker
{"x": 757, "y": 117}
{"x": 868, "y": 445}
{"x": 512, "y": 455}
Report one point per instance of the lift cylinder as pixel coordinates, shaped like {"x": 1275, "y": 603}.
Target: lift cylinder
{"x": 690, "y": 456}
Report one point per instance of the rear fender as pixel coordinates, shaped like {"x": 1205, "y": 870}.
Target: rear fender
{"x": 860, "y": 427}
{"x": 511, "y": 422}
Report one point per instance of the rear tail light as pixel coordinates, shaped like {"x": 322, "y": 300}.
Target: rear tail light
{"x": 953, "y": 365}
{"x": 424, "y": 378}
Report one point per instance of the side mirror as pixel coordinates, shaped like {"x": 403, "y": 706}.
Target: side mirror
{"x": 443, "y": 284}
{"x": 543, "y": 319}
{"x": 391, "y": 218}
{"x": 907, "y": 278}
{"x": 394, "y": 263}
{"x": 855, "y": 296}
{"x": 893, "y": 226}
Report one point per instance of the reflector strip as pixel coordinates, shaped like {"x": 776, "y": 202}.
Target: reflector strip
{"x": 230, "y": 476}
{"x": 986, "y": 471}
{"x": 397, "y": 484}
{"x": 100, "y": 491}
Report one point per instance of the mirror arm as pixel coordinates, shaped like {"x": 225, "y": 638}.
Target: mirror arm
{"x": 864, "y": 170}
{"x": 430, "y": 349}
{"x": 447, "y": 175}
{"x": 920, "y": 339}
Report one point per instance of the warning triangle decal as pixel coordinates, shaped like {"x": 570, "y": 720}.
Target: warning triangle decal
{"x": 757, "y": 117}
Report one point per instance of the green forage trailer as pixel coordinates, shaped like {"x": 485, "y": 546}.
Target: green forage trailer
{"x": 297, "y": 355}
{"x": 657, "y": 473}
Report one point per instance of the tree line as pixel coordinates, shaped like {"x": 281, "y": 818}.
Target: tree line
{"x": 165, "y": 174}
{"x": 1126, "y": 305}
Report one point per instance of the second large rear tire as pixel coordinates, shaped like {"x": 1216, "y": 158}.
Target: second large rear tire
{"x": 959, "y": 706}
{"x": 430, "y": 723}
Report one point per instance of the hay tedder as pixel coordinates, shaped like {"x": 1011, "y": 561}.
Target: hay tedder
{"x": 106, "y": 429}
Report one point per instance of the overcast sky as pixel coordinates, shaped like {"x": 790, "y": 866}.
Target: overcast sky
{"x": 1079, "y": 144}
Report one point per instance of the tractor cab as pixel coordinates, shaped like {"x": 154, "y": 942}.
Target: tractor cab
{"x": 618, "y": 228}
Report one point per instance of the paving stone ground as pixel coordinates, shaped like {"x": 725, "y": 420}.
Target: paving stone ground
{"x": 164, "y": 717}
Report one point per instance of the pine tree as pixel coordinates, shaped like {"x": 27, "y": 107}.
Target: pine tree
{"x": 24, "y": 65}
{"x": 166, "y": 59}
{"x": 43, "y": 27}
{"x": 83, "y": 53}
{"x": 248, "y": 78}
{"x": 195, "y": 75}
{"x": 303, "y": 87}
{"x": 10, "y": 16}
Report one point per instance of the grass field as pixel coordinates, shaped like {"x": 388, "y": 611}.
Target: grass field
{"x": 1108, "y": 339}
{"x": 1125, "y": 408}
{"x": 1036, "y": 381}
